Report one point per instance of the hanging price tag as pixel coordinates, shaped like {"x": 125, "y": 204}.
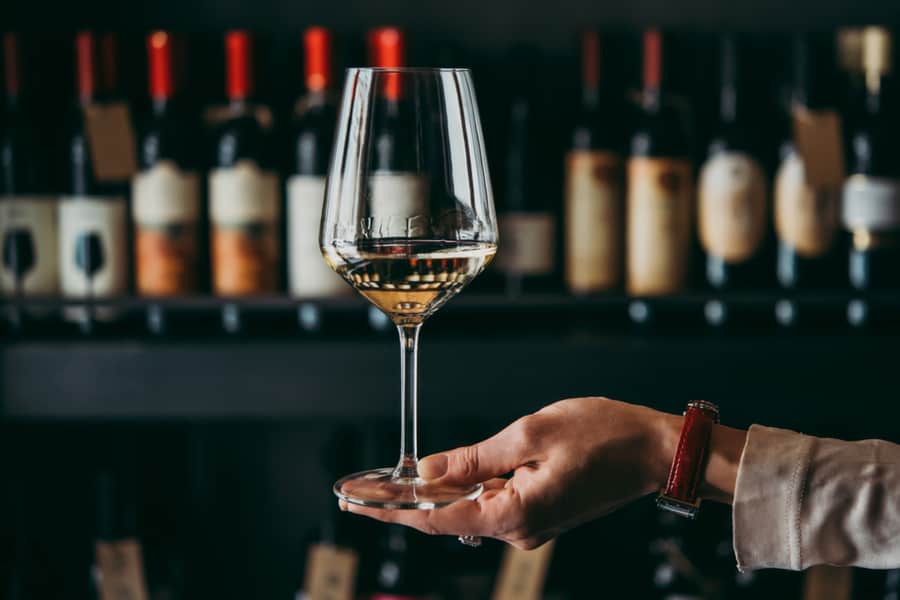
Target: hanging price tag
{"x": 825, "y": 582}
{"x": 522, "y": 573}
{"x": 818, "y": 138}
{"x": 330, "y": 573}
{"x": 111, "y": 140}
{"x": 121, "y": 567}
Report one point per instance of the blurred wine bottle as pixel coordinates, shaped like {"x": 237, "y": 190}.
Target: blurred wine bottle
{"x": 312, "y": 136}
{"x": 27, "y": 209}
{"x": 93, "y": 234}
{"x": 660, "y": 189}
{"x": 526, "y": 255}
{"x": 332, "y": 560}
{"x": 732, "y": 213}
{"x": 595, "y": 182}
{"x": 871, "y": 195}
{"x": 118, "y": 569}
{"x": 166, "y": 191}
{"x": 244, "y": 204}
{"x": 400, "y": 573}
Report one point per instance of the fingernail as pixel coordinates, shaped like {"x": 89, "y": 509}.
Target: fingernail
{"x": 432, "y": 467}
{"x": 342, "y": 504}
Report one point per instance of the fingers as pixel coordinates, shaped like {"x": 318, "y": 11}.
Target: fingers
{"x": 485, "y": 516}
{"x": 493, "y": 457}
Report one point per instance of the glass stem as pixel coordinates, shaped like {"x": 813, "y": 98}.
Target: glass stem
{"x": 407, "y": 468}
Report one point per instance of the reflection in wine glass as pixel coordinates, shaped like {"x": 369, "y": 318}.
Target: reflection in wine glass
{"x": 408, "y": 222}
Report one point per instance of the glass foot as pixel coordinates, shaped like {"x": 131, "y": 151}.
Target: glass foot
{"x": 379, "y": 488}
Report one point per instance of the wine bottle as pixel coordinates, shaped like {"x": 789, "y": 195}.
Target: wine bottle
{"x": 675, "y": 576}
{"x": 398, "y": 190}
{"x": 526, "y": 255}
{"x": 399, "y": 574}
{"x": 166, "y": 190}
{"x": 732, "y": 216}
{"x": 118, "y": 569}
{"x": 93, "y": 249}
{"x": 806, "y": 219}
{"x": 244, "y": 205}
{"x": 595, "y": 184}
{"x": 659, "y": 197}
{"x": 311, "y": 140}
{"x": 27, "y": 209}
{"x": 871, "y": 194}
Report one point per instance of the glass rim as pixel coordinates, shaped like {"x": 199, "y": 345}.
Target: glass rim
{"x": 409, "y": 70}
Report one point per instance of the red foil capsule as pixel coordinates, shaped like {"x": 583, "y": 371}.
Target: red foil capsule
{"x": 590, "y": 60}
{"x": 317, "y": 51}
{"x": 239, "y": 68}
{"x": 387, "y": 50}
{"x": 159, "y": 51}
{"x": 652, "y": 59}
{"x": 11, "y": 64}
{"x": 86, "y": 64}
{"x": 109, "y": 63}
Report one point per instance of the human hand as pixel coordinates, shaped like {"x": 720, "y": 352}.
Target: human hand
{"x": 573, "y": 461}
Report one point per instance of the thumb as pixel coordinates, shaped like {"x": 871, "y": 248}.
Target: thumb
{"x": 485, "y": 460}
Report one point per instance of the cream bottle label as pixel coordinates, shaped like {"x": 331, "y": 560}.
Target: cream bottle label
{"x": 805, "y": 219}
{"x": 658, "y": 225}
{"x": 594, "y": 225}
{"x": 244, "y": 214}
{"x": 309, "y": 276}
{"x": 527, "y": 243}
{"x": 732, "y": 206}
{"x": 398, "y": 205}
{"x": 28, "y": 233}
{"x": 166, "y": 211}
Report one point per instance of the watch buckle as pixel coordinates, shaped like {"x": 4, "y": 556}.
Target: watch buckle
{"x": 687, "y": 510}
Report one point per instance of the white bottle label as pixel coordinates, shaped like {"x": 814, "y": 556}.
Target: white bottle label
{"x": 28, "y": 233}
{"x": 805, "y": 219}
{"x": 244, "y": 210}
{"x": 398, "y": 205}
{"x": 871, "y": 203}
{"x": 732, "y": 206}
{"x": 527, "y": 243}
{"x": 594, "y": 220}
{"x": 92, "y": 246}
{"x": 308, "y": 274}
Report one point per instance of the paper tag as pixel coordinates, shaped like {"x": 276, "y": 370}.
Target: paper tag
{"x": 522, "y": 573}
{"x": 121, "y": 567}
{"x": 111, "y": 140}
{"x": 330, "y": 573}
{"x": 817, "y": 136}
{"x": 824, "y": 582}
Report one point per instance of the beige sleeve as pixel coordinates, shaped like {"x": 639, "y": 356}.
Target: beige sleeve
{"x": 801, "y": 501}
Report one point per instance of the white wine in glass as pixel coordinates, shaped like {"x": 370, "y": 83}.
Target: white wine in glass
{"x": 408, "y": 221}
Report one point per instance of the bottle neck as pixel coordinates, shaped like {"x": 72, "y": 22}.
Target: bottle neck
{"x": 728, "y": 103}
{"x": 651, "y": 99}
{"x": 160, "y": 105}
{"x": 590, "y": 96}
{"x": 874, "y": 84}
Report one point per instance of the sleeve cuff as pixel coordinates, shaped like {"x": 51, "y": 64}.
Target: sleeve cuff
{"x": 768, "y": 497}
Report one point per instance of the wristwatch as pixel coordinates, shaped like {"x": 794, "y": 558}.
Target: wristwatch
{"x": 680, "y": 494}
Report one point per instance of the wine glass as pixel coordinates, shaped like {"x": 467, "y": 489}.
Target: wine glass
{"x": 408, "y": 221}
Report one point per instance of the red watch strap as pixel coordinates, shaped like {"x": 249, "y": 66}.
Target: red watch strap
{"x": 680, "y": 493}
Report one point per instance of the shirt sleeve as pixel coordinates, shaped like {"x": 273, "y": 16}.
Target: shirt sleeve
{"x": 801, "y": 501}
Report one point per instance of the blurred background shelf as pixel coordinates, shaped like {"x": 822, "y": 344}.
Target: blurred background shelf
{"x": 771, "y": 378}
